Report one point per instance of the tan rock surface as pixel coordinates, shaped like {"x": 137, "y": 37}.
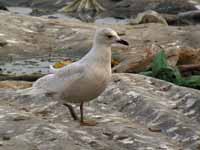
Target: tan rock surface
{"x": 135, "y": 112}
{"x": 30, "y": 44}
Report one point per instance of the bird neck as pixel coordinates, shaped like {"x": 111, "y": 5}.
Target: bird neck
{"x": 100, "y": 54}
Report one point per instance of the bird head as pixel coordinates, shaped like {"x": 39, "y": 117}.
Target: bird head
{"x": 108, "y": 36}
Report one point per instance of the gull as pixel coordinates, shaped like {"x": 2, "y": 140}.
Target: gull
{"x": 84, "y": 80}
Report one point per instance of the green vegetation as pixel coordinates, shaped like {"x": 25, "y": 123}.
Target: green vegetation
{"x": 161, "y": 70}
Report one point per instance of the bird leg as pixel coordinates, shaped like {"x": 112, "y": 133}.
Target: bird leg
{"x": 71, "y": 110}
{"x": 85, "y": 122}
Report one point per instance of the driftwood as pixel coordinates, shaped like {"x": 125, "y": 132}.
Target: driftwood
{"x": 14, "y": 84}
{"x": 190, "y": 67}
{"x": 30, "y": 78}
{"x": 129, "y": 66}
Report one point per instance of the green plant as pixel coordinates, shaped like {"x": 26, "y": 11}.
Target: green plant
{"x": 161, "y": 70}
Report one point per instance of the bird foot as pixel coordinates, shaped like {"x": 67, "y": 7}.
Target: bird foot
{"x": 88, "y": 123}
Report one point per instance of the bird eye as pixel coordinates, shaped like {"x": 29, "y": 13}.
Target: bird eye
{"x": 109, "y": 36}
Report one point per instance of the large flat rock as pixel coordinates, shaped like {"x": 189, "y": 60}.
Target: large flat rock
{"x": 134, "y": 112}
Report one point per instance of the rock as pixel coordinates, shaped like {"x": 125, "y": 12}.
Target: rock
{"x": 148, "y": 17}
{"x": 14, "y": 84}
{"x": 3, "y": 43}
{"x": 171, "y": 19}
{"x": 113, "y": 8}
{"x": 39, "y": 12}
{"x": 174, "y": 7}
{"x": 188, "y": 18}
{"x": 182, "y": 18}
{"x": 189, "y": 56}
{"x": 50, "y": 5}
{"x": 30, "y": 44}
{"x": 130, "y": 8}
{"x": 138, "y": 58}
{"x": 110, "y": 20}
{"x": 133, "y": 113}
{"x": 2, "y": 7}
{"x": 20, "y": 10}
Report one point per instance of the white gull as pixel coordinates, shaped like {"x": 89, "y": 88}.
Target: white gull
{"x": 83, "y": 80}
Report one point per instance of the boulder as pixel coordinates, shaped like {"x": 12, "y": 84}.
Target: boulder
{"x": 134, "y": 112}
{"x": 148, "y": 17}
{"x": 3, "y": 7}
{"x": 189, "y": 18}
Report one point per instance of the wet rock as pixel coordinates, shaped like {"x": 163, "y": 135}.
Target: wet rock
{"x": 5, "y": 138}
{"x": 174, "y": 7}
{"x": 2, "y": 7}
{"x": 3, "y": 43}
{"x": 133, "y": 113}
{"x": 39, "y": 12}
{"x": 20, "y": 10}
{"x": 189, "y": 18}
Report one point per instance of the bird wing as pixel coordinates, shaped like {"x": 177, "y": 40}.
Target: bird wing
{"x": 64, "y": 69}
{"x": 61, "y": 79}
{"x": 69, "y": 70}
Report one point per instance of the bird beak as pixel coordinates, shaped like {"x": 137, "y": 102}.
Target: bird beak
{"x": 122, "y": 42}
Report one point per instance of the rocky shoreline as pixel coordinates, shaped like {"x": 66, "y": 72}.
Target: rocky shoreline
{"x": 134, "y": 112}
{"x": 171, "y": 10}
{"x": 131, "y": 115}
{"x": 35, "y": 43}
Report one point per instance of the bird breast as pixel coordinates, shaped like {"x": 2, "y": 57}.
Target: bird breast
{"x": 90, "y": 86}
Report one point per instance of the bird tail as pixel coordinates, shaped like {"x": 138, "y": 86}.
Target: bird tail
{"x": 28, "y": 91}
